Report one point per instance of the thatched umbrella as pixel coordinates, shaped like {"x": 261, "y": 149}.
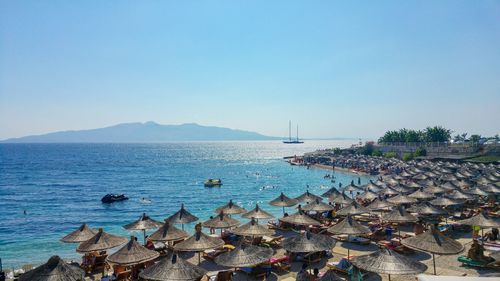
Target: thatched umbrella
{"x": 402, "y": 199}
{"x": 101, "y": 241}
{"x": 182, "y": 217}
{"x": 425, "y": 208}
{"x": 252, "y": 229}
{"x": 168, "y": 232}
{"x": 221, "y": 221}
{"x": 434, "y": 189}
{"x": 459, "y": 195}
{"x": 399, "y": 216}
{"x": 299, "y": 219}
{"x": 480, "y": 220}
{"x": 388, "y": 191}
{"x": 257, "y": 213}
{"x": 367, "y": 195}
{"x": 174, "y": 268}
{"x": 143, "y": 223}
{"x": 449, "y": 186}
{"x": 433, "y": 242}
{"x": 131, "y": 254}
{"x": 318, "y": 206}
{"x": 330, "y": 192}
{"x": 308, "y": 243}
{"x": 244, "y": 255}
{"x": 403, "y": 189}
{"x": 422, "y": 195}
{"x": 350, "y": 227}
{"x": 199, "y": 242}
{"x": 380, "y": 204}
{"x": 55, "y": 269}
{"x": 352, "y": 188}
{"x": 283, "y": 201}
{"x": 308, "y": 197}
{"x": 445, "y": 201}
{"x": 353, "y": 209}
{"x": 386, "y": 261}
{"x": 230, "y": 209}
{"x": 414, "y": 185}
{"x": 341, "y": 199}
{"x": 490, "y": 188}
{"x": 83, "y": 233}
{"x": 476, "y": 191}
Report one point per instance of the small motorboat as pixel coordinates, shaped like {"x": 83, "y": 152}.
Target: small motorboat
{"x": 213, "y": 182}
{"x": 111, "y": 198}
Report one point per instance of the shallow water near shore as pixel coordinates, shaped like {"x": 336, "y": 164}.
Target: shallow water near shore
{"x": 60, "y": 186}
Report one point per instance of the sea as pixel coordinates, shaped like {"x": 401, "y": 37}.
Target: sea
{"x": 48, "y": 190}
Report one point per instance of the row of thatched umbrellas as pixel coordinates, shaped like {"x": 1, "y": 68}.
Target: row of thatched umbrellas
{"x": 133, "y": 253}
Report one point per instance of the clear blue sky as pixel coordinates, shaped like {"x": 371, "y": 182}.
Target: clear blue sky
{"x": 338, "y": 68}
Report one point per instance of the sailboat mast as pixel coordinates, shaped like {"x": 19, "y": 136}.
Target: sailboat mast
{"x": 297, "y": 132}
{"x": 290, "y": 130}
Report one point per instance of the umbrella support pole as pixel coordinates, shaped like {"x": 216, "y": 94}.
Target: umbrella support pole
{"x": 434, "y": 263}
{"x": 144, "y": 232}
{"x": 283, "y": 210}
{"x": 199, "y": 258}
{"x": 389, "y": 277}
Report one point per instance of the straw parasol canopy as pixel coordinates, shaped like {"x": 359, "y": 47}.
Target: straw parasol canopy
{"x": 318, "y": 206}
{"x": 174, "y": 268}
{"x": 434, "y": 189}
{"x": 341, "y": 199}
{"x": 388, "y": 191}
{"x": 230, "y": 209}
{"x": 399, "y": 215}
{"x": 101, "y": 241}
{"x": 433, "y": 242}
{"x": 221, "y": 221}
{"x": 199, "y": 242}
{"x": 257, "y": 213}
{"x": 386, "y": 261}
{"x": 244, "y": 255}
{"x": 368, "y": 195}
{"x": 330, "y": 275}
{"x": 353, "y": 209}
{"x": 131, "y": 254}
{"x": 308, "y": 242}
{"x": 352, "y": 188}
{"x": 168, "y": 232}
{"x": 299, "y": 219}
{"x": 403, "y": 189}
{"x": 252, "y": 229}
{"x": 380, "y": 204}
{"x": 283, "y": 201}
{"x": 55, "y": 269}
{"x": 401, "y": 199}
{"x": 481, "y": 220}
{"x": 330, "y": 192}
{"x": 83, "y": 233}
{"x": 490, "y": 188}
{"x": 350, "y": 227}
{"x": 422, "y": 195}
{"x": 308, "y": 197}
{"x": 445, "y": 201}
{"x": 143, "y": 223}
{"x": 182, "y": 217}
{"x": 425, "y": 208}
{"x": 459, "y": 195}
{"x": 476, "y": 191}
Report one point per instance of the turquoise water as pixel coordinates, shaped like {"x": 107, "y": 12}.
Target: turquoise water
{"x": 60, "y": 186}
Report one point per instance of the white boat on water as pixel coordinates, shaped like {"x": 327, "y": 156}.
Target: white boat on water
{"x": 290, "y": 140}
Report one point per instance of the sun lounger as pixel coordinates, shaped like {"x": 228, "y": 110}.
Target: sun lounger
{"x": 469, "y": 262}
{"x": 272, "y": 241}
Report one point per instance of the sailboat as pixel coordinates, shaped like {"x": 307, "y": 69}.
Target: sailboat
{"x": 290, "y": 140}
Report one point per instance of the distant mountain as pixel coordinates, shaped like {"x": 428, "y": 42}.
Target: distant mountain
{"x": 144, "y": 132}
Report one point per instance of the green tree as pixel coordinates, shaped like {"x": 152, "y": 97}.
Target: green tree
{"x": 377, "y": 153}
{"x": 475, "y": 138}
{"x": 407, "y": 156}
{"x": 420, "y": 152}
{"x": 390, "y": 154}
{"x": 437, "y": 134}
